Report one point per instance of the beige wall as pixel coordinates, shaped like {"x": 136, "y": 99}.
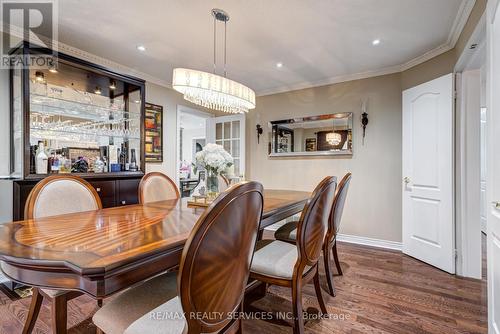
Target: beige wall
{"x": 374, "y": 206}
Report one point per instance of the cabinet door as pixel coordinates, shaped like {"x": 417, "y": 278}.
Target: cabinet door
{"x": 106, "y": 191}
{"x": 127, "y": 191}
{"x": 21, "y": 192}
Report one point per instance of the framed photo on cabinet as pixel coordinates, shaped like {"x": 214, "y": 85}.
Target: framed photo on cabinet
{"x": 153, "y": 139}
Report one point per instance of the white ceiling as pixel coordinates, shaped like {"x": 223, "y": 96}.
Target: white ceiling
{"x": 318, "y": 41}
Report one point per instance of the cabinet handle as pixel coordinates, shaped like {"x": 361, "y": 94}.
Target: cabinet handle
{"x": 98, "y": 190}
{"x": 124, "y": 202}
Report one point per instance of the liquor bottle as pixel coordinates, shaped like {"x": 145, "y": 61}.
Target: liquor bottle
{"x": 127, "y": 164}
{"x": 33, "y": 151}
{"x": 119, "y": 155}
{"x": 133, "y": 160}
{"x": 41, "y": 161}
{"x": 54, "y": 163}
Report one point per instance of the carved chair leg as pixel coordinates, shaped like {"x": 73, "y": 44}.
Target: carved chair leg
{"x": 59, "y": 314}
{"x": 240, "y": 325}
{"x": 319, "y": 295}
{"x": 99, "y": 302}
{"x": 336, "y": 258}
{"x": 298, "y": 315}
{"x": 261, "y": 290}
{"x": 36, "y": 303}
{"x": 328, "y": 270}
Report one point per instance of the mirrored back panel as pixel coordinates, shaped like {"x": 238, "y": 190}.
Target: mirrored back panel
{"x": 313, "y": 135}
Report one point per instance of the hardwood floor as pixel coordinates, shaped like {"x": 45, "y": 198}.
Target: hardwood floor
{"x": 381, "y": 292}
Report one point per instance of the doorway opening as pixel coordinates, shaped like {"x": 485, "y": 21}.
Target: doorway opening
{"x": 192, "y": 137}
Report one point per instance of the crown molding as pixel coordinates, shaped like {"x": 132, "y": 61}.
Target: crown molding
{"x": 78, "y": 53}
{"x": 117, "y": 67}
{"x": 463, "y": 14}
{"x": 330, "y": 81}
{"x": 425, "y": 57}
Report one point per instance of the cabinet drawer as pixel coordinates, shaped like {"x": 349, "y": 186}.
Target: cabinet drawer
{"x": 127, "y": 191}
{"x": 106, "y": 191}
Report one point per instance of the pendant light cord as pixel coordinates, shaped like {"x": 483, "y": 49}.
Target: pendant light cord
{"x": 225, "y": 46}
{"x": 215, "y": 44}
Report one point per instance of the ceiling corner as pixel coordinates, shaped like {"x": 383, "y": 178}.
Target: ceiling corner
{"x": 460, "y": 20}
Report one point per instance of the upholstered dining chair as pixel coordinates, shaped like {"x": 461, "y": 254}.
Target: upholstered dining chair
{"x": 156, "y": 186}
{"x": 57, "y": 195}
{"x": 288, "y": 232}
{"x": 294, "y": 265}
{"x": 214, "y": 270}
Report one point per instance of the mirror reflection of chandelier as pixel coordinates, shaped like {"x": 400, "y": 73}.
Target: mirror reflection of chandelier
{"x": 333, "y": 138}
{"x": 211, "y": 90}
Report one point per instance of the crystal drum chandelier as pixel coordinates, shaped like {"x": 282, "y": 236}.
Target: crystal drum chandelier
{"x": 211, "y": 90}
{"x": 333, "y": 138}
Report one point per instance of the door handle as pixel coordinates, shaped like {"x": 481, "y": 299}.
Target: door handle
{"x": 407, "y": 180}
{"x": 496, "y": 205}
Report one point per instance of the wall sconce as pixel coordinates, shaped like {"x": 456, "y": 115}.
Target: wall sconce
{"x": 364, "y": 120}
{"x": 259, "y": 132}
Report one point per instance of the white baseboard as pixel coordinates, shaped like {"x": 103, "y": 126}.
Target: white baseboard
{"x": 354, "y": 239}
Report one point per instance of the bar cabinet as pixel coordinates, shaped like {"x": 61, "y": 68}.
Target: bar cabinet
{"x": 80, "y": 118}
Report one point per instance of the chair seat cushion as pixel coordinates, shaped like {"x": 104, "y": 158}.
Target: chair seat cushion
{"x": 275, "y": 258}
{"x": 287, "y": 232}
{"x": 152, "y": 307}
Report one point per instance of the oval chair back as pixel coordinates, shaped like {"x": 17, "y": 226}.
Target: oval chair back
{"x": 215, "y": 263}
{"x": 61, "y": 194}
{"x": 313, "y": 223}
{"x": 338, "y": 207}
{"x": 156, "y": 186}
{"x": 223, "y": 183}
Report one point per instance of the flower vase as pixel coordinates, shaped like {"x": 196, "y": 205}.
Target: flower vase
{"x": 212, "y": 184}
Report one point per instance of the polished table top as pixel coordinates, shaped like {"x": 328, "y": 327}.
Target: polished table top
{"x": 95, "y": 243}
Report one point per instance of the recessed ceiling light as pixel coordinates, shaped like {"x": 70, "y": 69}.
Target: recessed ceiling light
{"x": 141, "y": 48}
{"x": 279, "y": 65}
{"x": 376, "y": 42}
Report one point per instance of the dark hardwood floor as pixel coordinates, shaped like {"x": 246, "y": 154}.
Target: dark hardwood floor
{"x": 381, "y": 292}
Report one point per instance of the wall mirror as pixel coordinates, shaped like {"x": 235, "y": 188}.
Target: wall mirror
{"x": 313, "y": 135}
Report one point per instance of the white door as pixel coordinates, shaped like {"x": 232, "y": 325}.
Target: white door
{"x": 229, "y": 132}
{"x": 493, "y": 168}
{"x": 428, "y": 173}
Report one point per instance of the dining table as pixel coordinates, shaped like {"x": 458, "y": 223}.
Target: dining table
{"x": 105, "y": 251}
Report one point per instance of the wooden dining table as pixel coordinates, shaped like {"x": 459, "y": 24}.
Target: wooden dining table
{"x": 104, "y": 251}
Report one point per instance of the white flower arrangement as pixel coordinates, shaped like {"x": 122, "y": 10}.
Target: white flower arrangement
{"x": 214, "y": 158}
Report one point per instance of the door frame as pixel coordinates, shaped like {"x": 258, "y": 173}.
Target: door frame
{"x": 467, "y": 141}
{"x": 492, "y": 83}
